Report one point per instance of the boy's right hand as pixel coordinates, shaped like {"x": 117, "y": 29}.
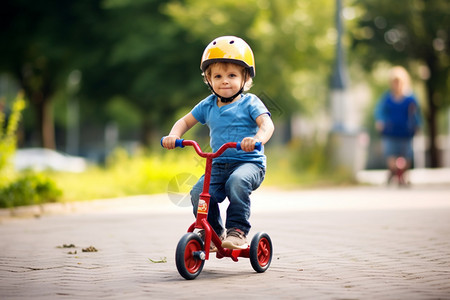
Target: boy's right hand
{"x": 379, "y": 126}
{"x": 169, "y": 141}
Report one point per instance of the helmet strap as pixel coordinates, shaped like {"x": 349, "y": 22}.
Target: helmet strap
{"x": 230, "y": 99}
{"x": 226, "y": 99}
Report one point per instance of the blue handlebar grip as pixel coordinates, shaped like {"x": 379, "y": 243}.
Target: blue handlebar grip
{"x": 258, "y": 146}
{"x": 179, "y": 143}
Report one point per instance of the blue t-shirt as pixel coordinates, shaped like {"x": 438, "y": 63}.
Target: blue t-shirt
{"x": 232, "y": 123}
{"x": 400, "y": 118}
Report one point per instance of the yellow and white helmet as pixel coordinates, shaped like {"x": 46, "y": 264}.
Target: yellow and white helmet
{"x": 229, "y": 49}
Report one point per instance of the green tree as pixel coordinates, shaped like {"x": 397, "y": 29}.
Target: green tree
{"x": 151, "y": 62}
{"x": 155, "y": 54}
{"x": 127, "y": 49}
{"x": 148, "y": 52}
{"x": 293, "y": 43}
{"x": 409, "y": 32}
{"x": 41, "y": 43}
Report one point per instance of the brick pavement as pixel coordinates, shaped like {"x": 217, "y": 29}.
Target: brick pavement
{"x": 349, "y": 243}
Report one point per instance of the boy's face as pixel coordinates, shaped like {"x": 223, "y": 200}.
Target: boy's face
{"x": 226, "y": 78}
{"x": 397, "y": 86}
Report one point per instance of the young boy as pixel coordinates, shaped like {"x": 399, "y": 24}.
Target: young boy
{"x": 228, "y": 68}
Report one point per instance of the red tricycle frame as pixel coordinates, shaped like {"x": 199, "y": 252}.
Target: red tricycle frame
{"x": 192, "y": 251}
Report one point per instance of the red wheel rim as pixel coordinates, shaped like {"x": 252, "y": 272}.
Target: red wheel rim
{"x": 263, "y": 252}
{"x": 192, "y": 264}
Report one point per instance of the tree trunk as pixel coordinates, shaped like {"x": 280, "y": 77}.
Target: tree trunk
{"x": 40, "y": 98}
{"x": 46, "y": 128}
{"x": 433, "y": 109}
{"x": 149, "y": 136}
{"x": 432, "y": 127}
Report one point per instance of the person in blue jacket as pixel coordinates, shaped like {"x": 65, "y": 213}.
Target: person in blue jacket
{"x": 397, "y": 118}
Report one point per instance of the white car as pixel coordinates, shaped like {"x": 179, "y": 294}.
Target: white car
{"x": 40, "y": 159}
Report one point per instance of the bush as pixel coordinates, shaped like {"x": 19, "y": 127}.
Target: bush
{"x": 17, "y": 190}
{"x": 8, "y": 129}
{"x": 304, "y": 163}
{"x": 125, "y": 175}
{"x": 29, "y": 189}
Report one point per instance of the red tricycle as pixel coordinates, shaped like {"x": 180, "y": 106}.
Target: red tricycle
{"x": 399, "y": 172}
{"x": 192, "y": 250}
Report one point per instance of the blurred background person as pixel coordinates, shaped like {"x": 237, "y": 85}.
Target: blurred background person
{"x": 397, "y": 118}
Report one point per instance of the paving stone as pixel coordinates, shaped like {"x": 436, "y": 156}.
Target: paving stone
{"x": 347, "y": 243}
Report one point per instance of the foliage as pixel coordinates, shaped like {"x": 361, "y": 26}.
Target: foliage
{"x": 293, "y": 43}
{"x": 148, "y": 52}
{"x": 151, "y": 62}
{"x": 152, "y": 172}
{"x": 303, "y": 163}
{"x": 125, "y": 175}
{"x": 43, "y": 41}
{"x": 8, "y": 138}
{"x": 29, "y": 189}
{"x": 125, "y": 114}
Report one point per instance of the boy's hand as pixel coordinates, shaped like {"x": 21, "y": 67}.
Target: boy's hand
{"x": 248, "y": 144}
{"x": 169, "y": 141}
{"x": 379, "y": 126}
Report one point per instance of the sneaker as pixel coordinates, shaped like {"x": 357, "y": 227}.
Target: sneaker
{"x": 235, "y": 239}
{"x": 212, "y": 247}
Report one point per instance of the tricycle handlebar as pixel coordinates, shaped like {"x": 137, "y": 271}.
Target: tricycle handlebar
{"x": 182, "y": 143}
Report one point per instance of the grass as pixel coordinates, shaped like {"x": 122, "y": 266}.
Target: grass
{"x": 303, "y": 166}
{"x": 125, "y": 175}
{"x": 153, "y": 173}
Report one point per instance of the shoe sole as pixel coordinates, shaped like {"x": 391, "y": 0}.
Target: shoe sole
{"x": 230, "y": 245}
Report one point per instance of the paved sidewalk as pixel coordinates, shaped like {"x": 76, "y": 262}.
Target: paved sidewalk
{"x": 346, "y": 243}
{"x": 415, "y": 176}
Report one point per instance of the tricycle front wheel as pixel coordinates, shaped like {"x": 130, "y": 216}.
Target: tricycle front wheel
{"x": 261, "y": 252}
{"x": 189, "y": 256}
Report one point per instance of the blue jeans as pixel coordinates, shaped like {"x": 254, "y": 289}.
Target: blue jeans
{"x": 398, "y": 146}
{"x": 235, "y": 181}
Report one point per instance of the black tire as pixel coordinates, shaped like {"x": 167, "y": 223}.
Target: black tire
{"x": 188, "y": 263}
{"x": 261, "y": 252}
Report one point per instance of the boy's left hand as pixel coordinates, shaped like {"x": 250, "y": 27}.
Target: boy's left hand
{"x": 248, "y": 144}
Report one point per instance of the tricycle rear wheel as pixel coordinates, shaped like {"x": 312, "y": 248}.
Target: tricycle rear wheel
{"x": 261, "y": 252}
